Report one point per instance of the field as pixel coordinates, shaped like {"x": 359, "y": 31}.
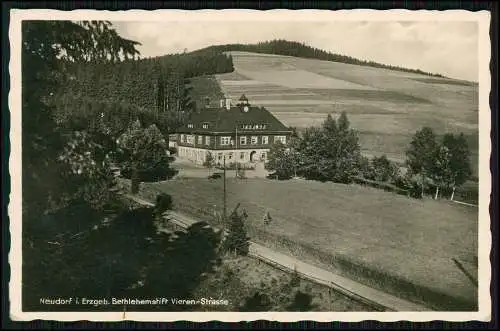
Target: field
{"x": 411, "y": 240}
{"x": 386, "y": 107}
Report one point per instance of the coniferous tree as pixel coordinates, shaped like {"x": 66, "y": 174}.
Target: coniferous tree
{"x": 236, "y": 240}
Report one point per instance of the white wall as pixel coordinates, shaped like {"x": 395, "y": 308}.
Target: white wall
{"x": 198, "y": 155}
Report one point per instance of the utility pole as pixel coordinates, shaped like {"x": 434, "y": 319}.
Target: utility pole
{"x": 236, "y": 152}
{"x": 225, "y": 196}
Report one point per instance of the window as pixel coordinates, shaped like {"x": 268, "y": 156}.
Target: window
{"x": 224, "y": 141}
{"x": 263, "y": 156}
{"x": 242, "y": 155}
{"x": 200, "y": 140}
{"x": 183, "y": 138}
{"x": 230, "y": 156}
{"x": 219, "y": 156}
{"x": 255, "y": 140}
{"x": 207, "y": 140}
{"x": 281, "y": 139}
{"x": 190, "y": 139}
{"x": 205, "y": 125}
{"x": 190, "y": 125}
{"x": 243, "y": 140}
{"x": 265, "y": 140}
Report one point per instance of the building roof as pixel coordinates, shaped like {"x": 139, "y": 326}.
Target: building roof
{"x": 243, "y": 98}
{"x": 224, "y": 120}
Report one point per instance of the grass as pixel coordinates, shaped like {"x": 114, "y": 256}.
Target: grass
{"x": 387, "y": 106}
{"x": 408, "y": 240}
{"x": 239, "y": 277}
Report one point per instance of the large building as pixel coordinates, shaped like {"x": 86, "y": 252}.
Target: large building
{"x": 241, "y": 133}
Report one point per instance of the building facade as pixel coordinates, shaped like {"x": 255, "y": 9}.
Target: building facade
{"x": 241, "y": 133}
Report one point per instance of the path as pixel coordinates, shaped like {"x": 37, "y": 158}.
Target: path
{"x": 352, "y": 289}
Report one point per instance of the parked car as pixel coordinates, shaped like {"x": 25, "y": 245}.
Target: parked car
{"x": 215, "y": 175}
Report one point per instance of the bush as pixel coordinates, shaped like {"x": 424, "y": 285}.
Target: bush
{"x": 257, "y": 302}
{"x": 172, "y": 150}
{"x": 301, "y": 302}
{"x": 144, "y": 150}
{"x": 164, "y": 202}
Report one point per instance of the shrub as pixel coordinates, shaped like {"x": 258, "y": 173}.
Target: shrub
{"x": 163, "y": 202}
{"x": 172, "y": 150}
{"x": 301, "y": 302}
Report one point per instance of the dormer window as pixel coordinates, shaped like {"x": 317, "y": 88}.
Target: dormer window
{"x": 204, "y": 125}
{"x": 190, "y": 125}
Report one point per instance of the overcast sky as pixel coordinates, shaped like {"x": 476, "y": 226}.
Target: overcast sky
{"x": 446, "y": 47}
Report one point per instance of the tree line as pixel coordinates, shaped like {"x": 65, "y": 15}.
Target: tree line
{"x": 300, "y": 49}
{"x": 332, "y": 153}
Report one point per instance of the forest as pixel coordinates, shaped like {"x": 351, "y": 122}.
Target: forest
{"x": 159, "y": 87}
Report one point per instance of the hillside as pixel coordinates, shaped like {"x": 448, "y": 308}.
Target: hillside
{"x": 386, "y": 106}
{"x": 149, "y": 86}
{"x": 293, "y": 48}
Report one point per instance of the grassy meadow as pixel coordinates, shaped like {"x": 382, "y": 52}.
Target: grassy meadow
{"x": 386, "y": 107}
{"x": 412, "y": 240}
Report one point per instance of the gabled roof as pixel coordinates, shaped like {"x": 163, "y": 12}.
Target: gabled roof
{"x": 243, "y": 98}
{"x": 224, "y": 120}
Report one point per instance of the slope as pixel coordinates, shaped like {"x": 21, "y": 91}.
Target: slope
{"x": 386, "y": 106}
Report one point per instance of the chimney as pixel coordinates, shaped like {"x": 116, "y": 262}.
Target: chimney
{"x": 222, "y": 101}
{"x": 228, "y": 103}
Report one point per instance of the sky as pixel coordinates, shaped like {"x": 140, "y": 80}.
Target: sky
{"x": 446, "y": 47}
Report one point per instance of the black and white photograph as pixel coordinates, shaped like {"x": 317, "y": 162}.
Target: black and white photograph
{"x": 241, "y": 165}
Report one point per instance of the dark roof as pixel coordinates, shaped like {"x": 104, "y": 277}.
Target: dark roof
{"x": 223, "y": 120}
{"x": 243, "y": 98}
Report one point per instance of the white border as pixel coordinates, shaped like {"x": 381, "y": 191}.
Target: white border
{"x": 15, "y": 206}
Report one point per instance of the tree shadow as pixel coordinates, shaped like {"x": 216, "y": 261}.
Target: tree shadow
{"x": 301, "y": 302}
{"x": 258, "y": 302}
{"x": 125, "y": 258}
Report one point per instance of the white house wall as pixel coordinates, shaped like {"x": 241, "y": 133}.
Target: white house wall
{"x": 198, "y": 155}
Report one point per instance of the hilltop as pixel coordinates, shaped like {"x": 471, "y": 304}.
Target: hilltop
{"x": 297, "y": 49}
{"x": 386, "y": 106}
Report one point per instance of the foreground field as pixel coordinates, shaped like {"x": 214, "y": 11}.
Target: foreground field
{"x": 385, "y": 106}
{"x": 412, "y": 240}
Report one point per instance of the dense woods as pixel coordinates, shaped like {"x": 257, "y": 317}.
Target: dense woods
{"x": 293, "y": 48}
{"x": 159, "y": 87}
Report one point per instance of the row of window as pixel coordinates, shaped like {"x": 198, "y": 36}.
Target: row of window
{"x": 242, "y": 156}
{"x": 253, "y": 126}
{"x": 200, "y": 155}
{"x": 203, "y": 125}
{"x": 242, "y": 126}
{"x": 226, "y": 140}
